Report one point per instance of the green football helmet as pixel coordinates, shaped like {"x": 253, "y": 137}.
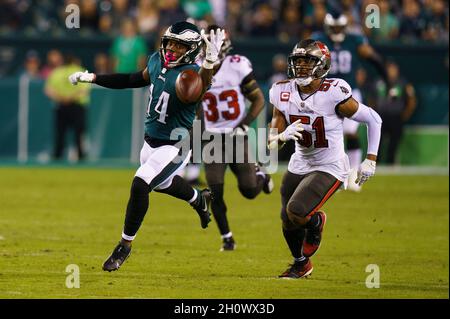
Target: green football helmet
{"x": 336, "y": 26}
{"x": 185, "y": 33}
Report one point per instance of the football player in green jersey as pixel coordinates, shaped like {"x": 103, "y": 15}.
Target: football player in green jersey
{"x": 347, "y": 50}
{"x": 167, "y": 116}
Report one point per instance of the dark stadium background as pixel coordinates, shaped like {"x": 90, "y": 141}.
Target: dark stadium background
{"x": 259, "y": 29}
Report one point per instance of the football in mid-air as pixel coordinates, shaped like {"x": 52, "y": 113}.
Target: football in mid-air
{"x": 189, "y": 86}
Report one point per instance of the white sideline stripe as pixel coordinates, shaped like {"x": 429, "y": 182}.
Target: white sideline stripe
{"x": 22, "y": 120}
{"x": 428, "y": 129}
{"x": 411, "y": 170}
{"x": 397, "y": 170}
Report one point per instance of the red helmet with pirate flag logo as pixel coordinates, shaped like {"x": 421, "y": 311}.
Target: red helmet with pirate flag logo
{"x": 309, "y": 60}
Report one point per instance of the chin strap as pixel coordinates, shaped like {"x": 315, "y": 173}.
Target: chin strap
{"x": 304, "y": 81}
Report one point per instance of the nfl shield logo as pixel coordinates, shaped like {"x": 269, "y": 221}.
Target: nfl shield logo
{"x": 302, "y": 104}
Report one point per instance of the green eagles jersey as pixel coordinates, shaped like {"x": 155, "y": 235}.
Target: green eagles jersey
{"x": 165, "y": 112}
{"x": 344, "y": 55}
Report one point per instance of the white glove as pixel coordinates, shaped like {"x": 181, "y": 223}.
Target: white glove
{"x": 84, "y": 77}
{"x": 365, "y": 170}
{"x": 240, "y": 130}
{"x": 292, "y": 132}
{"x": 213, "y": 45}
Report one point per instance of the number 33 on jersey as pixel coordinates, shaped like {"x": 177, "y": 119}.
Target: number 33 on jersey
{"x": 322, "y": 140}
{"x": 224, "y": 103}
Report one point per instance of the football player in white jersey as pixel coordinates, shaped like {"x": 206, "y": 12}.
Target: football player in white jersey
{"x": 224, "y": 113}
{"x": 347, "y": 50}
{"x": 309, "y": 108}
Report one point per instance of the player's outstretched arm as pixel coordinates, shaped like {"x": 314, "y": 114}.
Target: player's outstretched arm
{"x": 213, "y": 45}
{"x": 113, "y": 81}
{"x": 364, "y": 114}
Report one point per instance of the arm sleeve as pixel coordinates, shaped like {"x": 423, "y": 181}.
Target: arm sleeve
{"x": 367, "y": 115}
{"x": 121, "y": 80}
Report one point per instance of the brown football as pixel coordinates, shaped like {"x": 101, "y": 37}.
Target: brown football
{"x": 189, "y": 86}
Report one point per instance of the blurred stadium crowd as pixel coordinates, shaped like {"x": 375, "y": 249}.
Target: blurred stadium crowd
{"x": 407, "y": 20}
{"x": 142, "y": 20}
{"x": 120, "y": 34}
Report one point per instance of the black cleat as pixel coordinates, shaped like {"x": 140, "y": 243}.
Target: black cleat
{"x": 201, "y": 205}
{"x": 298, "y": 270}
{"x": 117, "y": 258}
{"x": 268, "y": 182}
{"x": 313, "y": 237}
{"x": 228, "y": 244}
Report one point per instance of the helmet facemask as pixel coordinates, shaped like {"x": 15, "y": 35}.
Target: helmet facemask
{"x": 170, "y": 60}
{"x": 186, "y": 34}
{"x": 309, "y": 60}
{"x": 336, "y": 27}
{"x": 303, "y": 68}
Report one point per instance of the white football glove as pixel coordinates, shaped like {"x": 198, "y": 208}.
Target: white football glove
{"x": 213, "y": 45}
{"x": 240, "y": 130}
{"x": 84, "y": 77}
{"x": 365, "y": 171}
{"x": 292, "y": 132}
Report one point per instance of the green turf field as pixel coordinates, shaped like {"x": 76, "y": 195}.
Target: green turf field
{"x": 53, "y": 217}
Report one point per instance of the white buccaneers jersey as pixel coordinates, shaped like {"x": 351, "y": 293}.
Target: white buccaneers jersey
{"x": 322, "y": 145}
{"x": 224, "y": 104}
